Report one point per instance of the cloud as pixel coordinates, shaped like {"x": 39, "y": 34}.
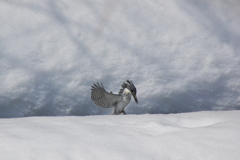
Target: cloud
{"x": 178, "y": 56}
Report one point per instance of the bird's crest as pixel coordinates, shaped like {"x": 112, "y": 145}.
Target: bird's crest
{"x": 129, "y": 85}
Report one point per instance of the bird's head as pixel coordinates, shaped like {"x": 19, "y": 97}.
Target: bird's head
{"x": 130, "y": 86}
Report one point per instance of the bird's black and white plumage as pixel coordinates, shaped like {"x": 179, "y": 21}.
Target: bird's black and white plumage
{"x": 119, "y": 101}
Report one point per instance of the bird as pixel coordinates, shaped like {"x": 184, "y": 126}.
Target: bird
{"x": 119, "y": 101}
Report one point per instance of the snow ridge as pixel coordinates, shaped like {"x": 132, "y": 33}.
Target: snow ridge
{"x": 200, "y": 135}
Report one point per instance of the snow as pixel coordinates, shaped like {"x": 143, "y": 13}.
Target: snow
{"x": 200, "y": 135}
{"x": 182, "y": 56}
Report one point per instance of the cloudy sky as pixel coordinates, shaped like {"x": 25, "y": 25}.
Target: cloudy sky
{"x": 181, "y": 56}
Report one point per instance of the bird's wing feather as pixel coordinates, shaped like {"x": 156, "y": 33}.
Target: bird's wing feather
{"x": 102, "y": 98}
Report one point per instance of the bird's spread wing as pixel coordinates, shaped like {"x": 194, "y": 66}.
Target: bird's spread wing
{"x": 102, "y": 98}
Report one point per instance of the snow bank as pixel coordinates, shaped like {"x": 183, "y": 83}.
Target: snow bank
{"x": 200, "y": 136}
{"x": 182, "y": 56}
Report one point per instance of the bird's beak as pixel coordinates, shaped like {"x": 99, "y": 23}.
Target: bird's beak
{"x": 135, "y": 98}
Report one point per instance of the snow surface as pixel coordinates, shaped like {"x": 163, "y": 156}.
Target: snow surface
{"x": 212, "y": 135}
{"x": 183, "y": 55}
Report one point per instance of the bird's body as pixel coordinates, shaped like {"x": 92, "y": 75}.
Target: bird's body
{"x": 119, "y": 101}
{"x": 125, "y": 99}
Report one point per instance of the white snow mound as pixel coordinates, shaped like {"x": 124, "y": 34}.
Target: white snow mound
{"x": 199, "y": 136}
